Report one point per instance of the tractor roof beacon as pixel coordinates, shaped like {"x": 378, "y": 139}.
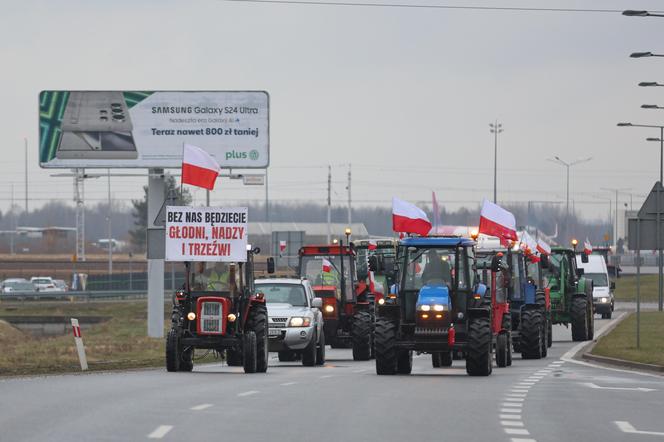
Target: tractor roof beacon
{"x": 437, "y": 306}
{"x": 218, "y": 309}
{"x": 571, "y": 294}
{"x": 348, "y": 313}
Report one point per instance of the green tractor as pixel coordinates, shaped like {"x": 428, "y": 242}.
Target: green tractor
{"x": 571, "y": 293}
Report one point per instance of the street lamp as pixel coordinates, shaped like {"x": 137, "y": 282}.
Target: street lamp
{"x": 650, "y": 84}
{"x": 633, "y": 13}
{"x": 347, "y": 232}
{"x": 661, "y": 137}
{"x": 495, "y": 129}
{"x": 567, "y": 165}
{"x": 651, "y": 106}
{"x": 644, "y": 54}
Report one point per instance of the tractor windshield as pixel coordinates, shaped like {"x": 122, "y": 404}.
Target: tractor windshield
{"x": 214, "y": 277}
{"x": 434, "y": 266}
{"x": 325, "y": 270}
{"x": 388, "y": 256}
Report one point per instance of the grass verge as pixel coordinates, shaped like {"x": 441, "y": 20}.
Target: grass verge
{"x": 120, "y": 343}
{"x": 621, "y": 342}
{"x": 626, "y": 288}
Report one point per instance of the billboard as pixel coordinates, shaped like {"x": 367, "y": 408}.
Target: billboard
{"x": 206, "y": 233}
{"x": 147, "y": 129}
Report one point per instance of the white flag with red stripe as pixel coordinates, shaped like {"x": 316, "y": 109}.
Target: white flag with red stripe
{"x": 408, "y": 218}
{"x": 587, "y": 247}
{"x": 372, "y": 245}
{"x": 282, "y": 246}
{"x": 496, "y": 221}
{"x": 198, "y": 167}
{"x": 543, "y": 247}
{"x": 327, "y": 266}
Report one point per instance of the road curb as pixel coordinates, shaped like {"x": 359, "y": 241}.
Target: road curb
{"x": 586, "y": 353}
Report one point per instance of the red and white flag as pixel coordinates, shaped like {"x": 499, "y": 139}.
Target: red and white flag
{"x": 528, "y": 243}
{"x": 372, "y": 245}
{"x": 408, "y": 218}
{"x": 543, "y": 247}
{"x": 587, "y": 247}
{"x": 282, "y": 246}
{"x": 327, "y": 266}
{"x": 198, "y": 167}
{"x": 496, "y": 221}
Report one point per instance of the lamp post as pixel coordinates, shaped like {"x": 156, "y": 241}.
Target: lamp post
{"x": 650, "y": 84}
{"x": 567, "y": 166}
{"x": 347, "y": 232}
{"x": 615, "y": 227}
{"x": 495, "y": 129}
{"x": 644, "y": 54}
{"x": 661, "y": 172}
{"x": 633, "y": 13}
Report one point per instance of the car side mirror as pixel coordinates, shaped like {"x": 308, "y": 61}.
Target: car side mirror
{"x": 317, "y": 303}
{"x": 613, "y": 285}
{"x": 584, "y": 258}
{"x": 270, "y": 265}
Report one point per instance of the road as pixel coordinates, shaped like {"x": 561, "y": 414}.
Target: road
{"x": 552, "y": 399}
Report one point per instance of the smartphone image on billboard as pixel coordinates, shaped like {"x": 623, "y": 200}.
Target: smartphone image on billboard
{"x": 96, "y": 125}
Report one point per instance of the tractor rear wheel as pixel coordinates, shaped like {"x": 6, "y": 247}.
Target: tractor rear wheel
{"x": 187, "y": 360}
{"x": 361, "y": 335}
{"x": 172, "y": 353}
{"x": 478, "y": 353}
{"x": 234, "y": 358}
{"x": 249, "y": 356}
{"x": 385, "y": 340}
{"x": 580, "y": 323}
{"x": 591, "y": 319}
{"x": 257, "y": 323}
{"x": 549, "y": 341}
{"x": 532, "y": 334}
{"x": 507, "y": 325}
{"x": 502, "y": 347}
{"x": 405, "y": 362}
{"x": 320, "y": 351}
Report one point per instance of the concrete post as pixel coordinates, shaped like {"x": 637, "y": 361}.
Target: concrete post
{"x": 156, "y": 195}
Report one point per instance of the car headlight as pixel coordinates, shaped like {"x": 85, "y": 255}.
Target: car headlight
{"x": 604, "y": 300}
{"x": 299, "y": 321}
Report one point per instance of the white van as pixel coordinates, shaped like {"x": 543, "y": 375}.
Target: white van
{"x": 596, "y": 270}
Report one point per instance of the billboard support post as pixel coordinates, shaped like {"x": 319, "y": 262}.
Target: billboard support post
{"x": 156, "y": 192}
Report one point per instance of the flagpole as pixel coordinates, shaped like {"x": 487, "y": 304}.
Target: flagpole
{"x": 181, "y": 170}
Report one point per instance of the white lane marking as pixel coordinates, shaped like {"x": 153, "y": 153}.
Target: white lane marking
{"x": 512, "y": 404}
{"x": 510, "y": 416}
{"x": 510, "y": 410}
{"x": 516, "y": 395}
{"x": 511, "y": 423}
{"x": 520, "y": 431}
{"x": 518, "y": 390}
{"x": 520, "y": 439}
{"x": 201, "y": 407}
{"x": 591, "y": 385}
{"x": 160, "y": 431}
{"x": 525, "y": 385}
{"x": 626, "y": 427}
{"x": 286, "y": 384}
{"x": 514, "y": 399}
{"x": 247, "y": 393}
{"x": 326, "y": 376}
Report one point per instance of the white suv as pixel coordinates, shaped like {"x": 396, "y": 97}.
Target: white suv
{"x": 295, "y": 320}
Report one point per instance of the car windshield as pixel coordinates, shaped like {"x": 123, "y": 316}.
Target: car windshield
{"x": 20, "y": 285}
{"x": 42, "y": 281}
{"x": 431, "y": 266}
{"x": 599, "y": 279}
{"x": 283, "y": 293}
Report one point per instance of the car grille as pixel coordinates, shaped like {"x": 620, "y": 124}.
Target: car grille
{"x": 279, "y": 320}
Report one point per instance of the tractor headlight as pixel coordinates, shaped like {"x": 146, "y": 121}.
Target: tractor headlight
{"x": 381, "y": 301}
{"x": 424, "y": 308}
{"x": 329, "y": 309}
{"x": 231, "y": 317}
{"x": 439, "y": 308}
{"x": 191, "y": 316}
{"x": 299, "y": 321}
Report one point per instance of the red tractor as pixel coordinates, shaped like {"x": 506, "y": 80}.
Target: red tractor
{"x": 347, "y": 302}
{"x": 495, "y": 274}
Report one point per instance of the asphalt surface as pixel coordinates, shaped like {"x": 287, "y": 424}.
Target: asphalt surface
{"x": 552, "y": 399}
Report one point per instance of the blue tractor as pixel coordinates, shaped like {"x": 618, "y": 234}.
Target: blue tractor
{"x": 436, "y": 306}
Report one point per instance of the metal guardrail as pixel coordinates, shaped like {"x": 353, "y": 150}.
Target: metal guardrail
{"x": 73, "y": 296}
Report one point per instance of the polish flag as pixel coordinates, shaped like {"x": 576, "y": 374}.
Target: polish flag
{"x": 408, "y": 218}
{"x": 327, "y": 266}
{"x": 543, "y": 247}
{"x": 282, "y": 246}
{"x": 198, "y": 167}
{"x": 528, "y": 244}
{"x": 372, "y": 245}
{"x": 496, "y": 221}
{"x": 587, "y": 247}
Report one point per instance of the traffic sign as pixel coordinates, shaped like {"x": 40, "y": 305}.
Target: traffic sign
{"x": 653, "y": 204}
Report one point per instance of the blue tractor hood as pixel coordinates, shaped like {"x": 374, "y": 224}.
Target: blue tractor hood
{"x": 434, "y": 294}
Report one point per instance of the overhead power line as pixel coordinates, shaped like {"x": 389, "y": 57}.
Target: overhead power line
{"x": 425, "y": 6}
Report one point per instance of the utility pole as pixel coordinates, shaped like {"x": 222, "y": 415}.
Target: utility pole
{"x": 329, "y": 203}
{"x": 110, "y": 235}
{"x": 495, "y": 129}
{"x": 13, "y": 224}
{"x": 267, "y": 201}
{"x": 79, "y": 176}
{"x": 350, "y": 216}
{"x": 26, "y": 173}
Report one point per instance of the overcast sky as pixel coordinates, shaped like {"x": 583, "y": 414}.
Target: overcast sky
{"x": 406, "y": 95}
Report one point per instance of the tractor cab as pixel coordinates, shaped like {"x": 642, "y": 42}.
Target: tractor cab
{"x": 377, "y": 256}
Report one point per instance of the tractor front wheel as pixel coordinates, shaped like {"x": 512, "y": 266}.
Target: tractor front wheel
{"x": 249, "y": 356}
{"x": 257, "y": 322}
{"x": 532, "y": 334}
{"x": 172, "y": 353}
{"x": 385, "y": 340}
{"x": 361, "y": 335}
{"x": 502, "y": 348}
{"x": 478, "y": 354}
{"x": 580, "y": 322}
